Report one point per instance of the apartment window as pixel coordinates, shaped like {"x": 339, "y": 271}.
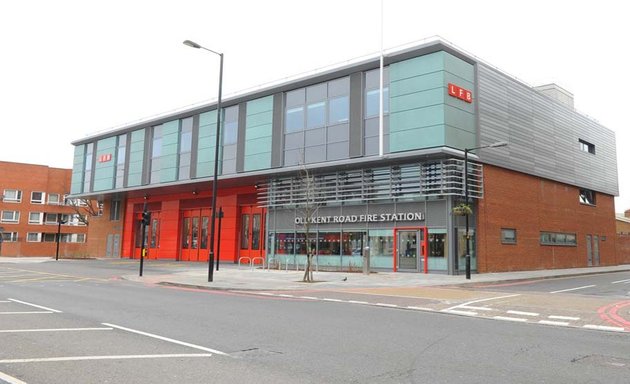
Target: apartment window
{"x": 49, "y": 237}
{"x": 35, "y": 217}
{"x": 585, "y": 146}
{"x": 38, "y": 197}
{"x": 558, "y": 238}
{"x": 9, "y": 237}
{"x": 185, "y": 147}
{"x": 53, "y": 199}
{"x": 12, "y": 196}
{"x": 587, "y": 196}
{"x": 508, "y": 236}
{"x": 114, "y": 210}
{"x": 33, "y": 237}
{"x": 51, "y": 218}
{"x": 72, "y": 238}
{"x": 10, "y": 217}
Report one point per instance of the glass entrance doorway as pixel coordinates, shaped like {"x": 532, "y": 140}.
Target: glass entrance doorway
{"x": 411, "y": 250}
{"x": 251, "y": 234}
{"x": 194, "y": 235}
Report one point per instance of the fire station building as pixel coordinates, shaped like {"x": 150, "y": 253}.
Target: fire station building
{"x": 319, "y": 151}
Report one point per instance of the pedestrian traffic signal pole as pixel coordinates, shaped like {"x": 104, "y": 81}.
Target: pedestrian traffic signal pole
{"x": 146, "y": 219}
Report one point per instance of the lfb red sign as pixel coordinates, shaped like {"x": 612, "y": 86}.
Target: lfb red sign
{"x": 460, "y": 93}
{"x": 105, "y": 158}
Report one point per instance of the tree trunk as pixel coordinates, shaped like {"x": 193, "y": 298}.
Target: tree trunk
{"x": 308, "y": 276}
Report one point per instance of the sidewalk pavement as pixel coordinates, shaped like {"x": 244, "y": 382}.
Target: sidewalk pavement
{"x": 230, "y": 277}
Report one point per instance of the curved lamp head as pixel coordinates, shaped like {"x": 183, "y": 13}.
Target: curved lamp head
{"x": 498, "y": 144}
{"x": 192, "y": 44}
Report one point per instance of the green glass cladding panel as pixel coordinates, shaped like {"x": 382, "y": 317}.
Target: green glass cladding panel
{"x": 422, "y": 114}
{"x": 258, "y": 133}
{"x": 136, "y": 158}
{"x": 105, "y": 164}
{"x": 170, "y": 145}
{"x": 76, "y": 185}
{"x": 206, "y": 140}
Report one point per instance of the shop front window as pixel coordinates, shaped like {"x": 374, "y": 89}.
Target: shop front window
{"x": 438, "y": 250}
{"x": 381, "y": 243}
{"x": 352, "y": 249}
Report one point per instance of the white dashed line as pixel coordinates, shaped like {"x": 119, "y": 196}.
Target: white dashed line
{"x": 480, "y": 300}
{"x": 35, "y": 305}
{"x": 549, "y": 322}
{"x": 523, "y": 313}
{"x": 333, "y": 300}
{"x": 113, "y": 357}
{"x": 518, "y": 319}
{"x": 357, "y": 302}
{"x": 309, "y": 298}
{"x": 284, "y": 295}
{"x": 564, "y": 317}
{"x": 386, "y": 305}
{"x": 573, "y": 289}
{"x": 621, "y": 281}
{"x": 420, "y": 308}
{"x": 477, "y": 308}
{"x": 26, "y": 313}
{"x": 166, "y": 339}
{"x": 457, "y": 312}
{"x": 10, "y": 379}
{"x": 604, "y": 328}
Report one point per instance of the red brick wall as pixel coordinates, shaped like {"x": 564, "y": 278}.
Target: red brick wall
{"x": 37, "y": 178}
{"x": 623, "y": 249}
{"x": 531, "y": 205}
{"x": 101, "y": 227}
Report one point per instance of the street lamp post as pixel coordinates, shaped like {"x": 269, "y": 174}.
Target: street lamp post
{"x": 59, "y": 222}
{"x": 216, "y": 156}
{"x": 1, "y": 239}
{"x": 493, "y": 145}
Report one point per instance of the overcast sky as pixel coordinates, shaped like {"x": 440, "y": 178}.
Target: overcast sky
{"x": 69, "y": 69}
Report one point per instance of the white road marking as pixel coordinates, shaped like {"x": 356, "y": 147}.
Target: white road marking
{"x": 357, "y": 302}
{"x": 166, "y": 339}
{"x": 386, "y": 305}
{"x": 25, "y": 313}
{"x": 549, "y": 322}
{"x": 523, "y": 313}
{"x": 309, "y": 298}
{"x": 510, "y": 318}
{"x": 479, "y": 301}
{"x": 54, "y": 330}
{"x": 4, "y": 301}
{"x": 420, "y": 308}
{"x": 455, "y": 311}
{"x": 35, "y": 305}
{"x": 112, "y": 357}
{"x": 573, "y": 289}
{"x": 478, "y": 308}
{"x": 604, "y": 328}
{"x": 564, "y": 317}
{"x": 284, "y": 295}
{"x": 333, "y": 300}
{"x": 10, "y": 379}
{"x": 264, "y": 293}
{"x": 621, "y": 281}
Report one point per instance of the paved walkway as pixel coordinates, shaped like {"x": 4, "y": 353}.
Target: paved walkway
{"x": 232, "y": 278}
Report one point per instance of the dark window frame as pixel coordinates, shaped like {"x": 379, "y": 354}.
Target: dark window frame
{"x": 508, "y": 241}
{"x": 585, "y": 146}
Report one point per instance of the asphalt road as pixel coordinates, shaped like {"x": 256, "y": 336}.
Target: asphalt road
{"x": 79, "y": 323}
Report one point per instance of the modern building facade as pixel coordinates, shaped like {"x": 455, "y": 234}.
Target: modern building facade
{"x": 32, "y": 204}
{"x": 312, "y": 156}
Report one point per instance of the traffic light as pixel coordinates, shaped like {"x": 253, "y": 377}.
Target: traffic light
{"x": 146, "y": 218}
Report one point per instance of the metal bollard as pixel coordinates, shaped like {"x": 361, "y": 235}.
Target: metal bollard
{"x": 366, "y": 260}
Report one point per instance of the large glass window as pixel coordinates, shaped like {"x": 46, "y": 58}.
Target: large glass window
{"x": 558, "y": 238}
{"x": 371, "y": 111}
{"x": 185, "y": 147}
{"x": 381, "y": 243}
{"x": 87, "y": 174}
{"x": 156, "y": 152}
{"x": 114, "y": 210}
{"x": 230, "y": 139}
{"x": 121, "y": 152}
{"x": 317, "y": 123}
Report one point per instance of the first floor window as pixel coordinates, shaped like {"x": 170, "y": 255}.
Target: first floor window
{"x": 37, "y": 197}
{"x": 35, "y": 218}
{"x": 12, "y": 195}
{"x": 33, "y": 237}
{"x": 53, "y": 198}
{"x": 587, "y": 196}
{"x": 508, "y": 236}
{"x": 9, "y": 237}
{"x": 10, "y": 217}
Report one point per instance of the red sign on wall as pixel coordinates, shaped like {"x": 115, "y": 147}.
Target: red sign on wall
{"x": 105, "y": 158}
{"x": 460, "y": 93}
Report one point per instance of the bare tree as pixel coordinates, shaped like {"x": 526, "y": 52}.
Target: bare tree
{"x": 85, "y": 208}
{"x": 308, "y": 208}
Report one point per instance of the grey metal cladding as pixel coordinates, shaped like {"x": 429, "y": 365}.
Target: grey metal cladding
{"x": 543, "y": 135}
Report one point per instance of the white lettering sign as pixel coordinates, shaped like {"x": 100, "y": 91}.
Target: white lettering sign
{"x": 374, "y": 218}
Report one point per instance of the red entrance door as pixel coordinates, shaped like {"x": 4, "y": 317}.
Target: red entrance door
{"x": 151, "y": 236}
{"x": 252, "y": 235}
{"x": 194, "y": 235}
